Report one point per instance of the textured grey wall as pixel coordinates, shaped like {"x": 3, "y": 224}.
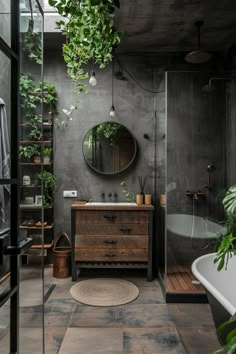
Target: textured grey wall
{"x": 231, "y": 134}
{"x": 195, "y": 139}
{"x": 195, "y": 136}
{"x": 135, "y": 108}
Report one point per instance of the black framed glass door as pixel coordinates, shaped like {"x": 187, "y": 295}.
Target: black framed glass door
{"x": 14, "y": 243}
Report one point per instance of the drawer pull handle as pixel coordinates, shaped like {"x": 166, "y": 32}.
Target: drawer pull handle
{"x": 110, "y": 217}
{"x": 125, "y": 229}
{"x": 112, "y": 242}
{"x": 110, "y": 255}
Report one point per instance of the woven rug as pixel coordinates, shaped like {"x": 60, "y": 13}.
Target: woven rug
{"x": 104, "y": 292}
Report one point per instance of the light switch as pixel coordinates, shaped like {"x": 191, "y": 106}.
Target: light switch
{"x": 69, "y": 194}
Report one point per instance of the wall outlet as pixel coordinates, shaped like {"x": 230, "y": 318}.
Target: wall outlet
{"x": 69, "y": 194}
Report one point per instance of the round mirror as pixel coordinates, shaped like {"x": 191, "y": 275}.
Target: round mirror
{"x": 109, "y": 148}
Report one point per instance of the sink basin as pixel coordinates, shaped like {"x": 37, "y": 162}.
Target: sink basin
{"x": 110, "y": 203}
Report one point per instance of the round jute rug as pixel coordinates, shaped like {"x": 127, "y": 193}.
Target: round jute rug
{"x": 104, "y": 292}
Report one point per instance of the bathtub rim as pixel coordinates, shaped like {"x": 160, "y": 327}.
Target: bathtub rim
{"x": 220, "y": 298}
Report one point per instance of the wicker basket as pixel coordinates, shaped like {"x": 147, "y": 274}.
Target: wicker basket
{"x": 62, "y": 257}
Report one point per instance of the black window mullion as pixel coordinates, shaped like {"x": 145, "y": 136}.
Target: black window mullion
{"x": 14, "y": 227}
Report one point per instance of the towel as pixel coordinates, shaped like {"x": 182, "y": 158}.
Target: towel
{"x": 4, "y": 162}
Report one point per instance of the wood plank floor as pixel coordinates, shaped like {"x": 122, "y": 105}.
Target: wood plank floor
{"x": 179, "y": 280}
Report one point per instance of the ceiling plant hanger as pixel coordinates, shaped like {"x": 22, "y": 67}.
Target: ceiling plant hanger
{"x": 90, "y": 35}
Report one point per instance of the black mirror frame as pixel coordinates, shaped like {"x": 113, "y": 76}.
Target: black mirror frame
{"x": 111, "y": 173}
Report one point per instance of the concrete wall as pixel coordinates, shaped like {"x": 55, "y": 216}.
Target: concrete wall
{"x": 135, "y": 108}
{"x": 231, "y": 134}
{"x": 195, "y": 139}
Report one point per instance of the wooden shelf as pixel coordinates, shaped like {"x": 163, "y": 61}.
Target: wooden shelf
{"x": 33, "y": 207}
{"x": 39, "y": 125}
{"x": 45, "y": 246}
{"x": 35, "y": 164}
{"x": 35, "y": 141}
{"x": 30, "y": 186}
{"x": 48, "y": 227}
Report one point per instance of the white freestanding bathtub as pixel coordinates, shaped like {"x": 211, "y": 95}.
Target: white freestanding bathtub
{"x": 220, "y": 286}
{"x": 189, "y": 237}
{"x": 193, "y": 226}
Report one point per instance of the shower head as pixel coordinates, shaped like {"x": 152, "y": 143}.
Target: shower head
{"x": 198, "y": 56}
{"x": 211, "y": 168}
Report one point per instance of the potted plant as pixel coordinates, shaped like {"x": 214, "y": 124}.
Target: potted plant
{"x": 225, "y": 250}
{"x": 29, "y": 151}
{"x": 48, "y": 181}
{"x": 47, "y": 152}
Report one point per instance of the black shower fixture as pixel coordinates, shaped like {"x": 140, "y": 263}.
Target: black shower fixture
{"x": 209, "y": 87}
{"x": 198, "y": 56}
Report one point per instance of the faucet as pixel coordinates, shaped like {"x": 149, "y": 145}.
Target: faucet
{"x": 195, "y": 196}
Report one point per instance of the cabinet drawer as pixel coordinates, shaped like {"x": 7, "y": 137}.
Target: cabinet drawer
{"x": 113, "y": 229}
{"x": 110, "y": 216}
{"x": 111, "y": 255}
{"x": 112, "y": 242}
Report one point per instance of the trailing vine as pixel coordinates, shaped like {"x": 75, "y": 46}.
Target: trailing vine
{"x": 90, "y": 35}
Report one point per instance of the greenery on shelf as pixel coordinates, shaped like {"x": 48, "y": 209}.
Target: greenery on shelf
{"x": 33, "y": 94}
{"x": 48, "y": 181}
{"x": 90, "y": 36}
{"x": 31, "y": 43}
{"x": 47, "y": 152}
{"x": 29, "y": 151}
{"x": 128, "y": 195}
{"x": 227, "y": 244}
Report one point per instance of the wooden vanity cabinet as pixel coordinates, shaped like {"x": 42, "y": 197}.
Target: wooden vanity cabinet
{"x": 111, "y": 237}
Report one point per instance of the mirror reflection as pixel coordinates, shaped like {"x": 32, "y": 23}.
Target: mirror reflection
{"x": 109, "y": 148}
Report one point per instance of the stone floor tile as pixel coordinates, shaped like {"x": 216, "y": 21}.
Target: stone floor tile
{"x": 149, "y": 295}
{"x": 162, "y": 340}
{"x": 92, "y": 341}
{"x": 191, "y": 315}
{"x": 87, "y": 316}
{"x": 199, "y": 340}
{"x": 147, "y": 315}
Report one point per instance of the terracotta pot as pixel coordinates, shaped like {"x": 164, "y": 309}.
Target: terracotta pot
{"x": 148, "y": 199}
{"x": 139, "y": 198}
{"x": 37, "y": 159}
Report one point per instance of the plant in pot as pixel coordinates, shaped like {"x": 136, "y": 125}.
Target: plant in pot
{"x": 29, "y": 151}
{"x": 48, "y": 181}
{"x": 47, "y": 152}
{"x": 226, "y": 249}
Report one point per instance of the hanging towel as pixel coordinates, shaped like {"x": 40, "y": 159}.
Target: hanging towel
{"x": 4, "y": 162}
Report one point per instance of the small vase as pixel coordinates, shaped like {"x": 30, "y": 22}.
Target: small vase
{"x": 148, "y": 199}
{"x": 139, "y": 198}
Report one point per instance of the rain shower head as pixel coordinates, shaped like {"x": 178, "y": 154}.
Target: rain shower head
{"x": 198, "y": 56}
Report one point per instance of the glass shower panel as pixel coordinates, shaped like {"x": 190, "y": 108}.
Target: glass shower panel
{"x": 30, "y": 172}
{"x": 195, "y": 174}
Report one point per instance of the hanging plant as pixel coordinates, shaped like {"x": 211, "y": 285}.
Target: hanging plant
{"x": 90, "y": 35}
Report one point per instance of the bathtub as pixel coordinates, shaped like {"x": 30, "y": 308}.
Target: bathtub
{"x": 189, "y": 237}
{"x": 220, "y": 287}
{"x": 182, "y": 225}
